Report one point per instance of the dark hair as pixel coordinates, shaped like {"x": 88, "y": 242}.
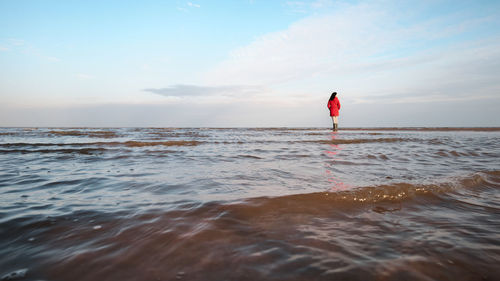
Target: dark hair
{"x": 333, "y": 95}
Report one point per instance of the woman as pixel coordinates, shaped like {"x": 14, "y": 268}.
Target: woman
{"x": 334, "y": 106}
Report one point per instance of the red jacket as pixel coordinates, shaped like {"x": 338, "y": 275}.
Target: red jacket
{"x": 334, "y": 106}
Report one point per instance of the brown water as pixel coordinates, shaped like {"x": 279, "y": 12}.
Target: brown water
{"x": 249, "y": 204}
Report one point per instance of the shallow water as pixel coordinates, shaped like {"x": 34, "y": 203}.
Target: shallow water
{"x": 249, "y": 204}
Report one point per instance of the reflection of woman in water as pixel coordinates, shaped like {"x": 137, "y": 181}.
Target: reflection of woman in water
{"x": 334, "y": 106}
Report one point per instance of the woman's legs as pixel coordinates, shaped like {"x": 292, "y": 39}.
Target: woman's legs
{"x": 335, "y": 122}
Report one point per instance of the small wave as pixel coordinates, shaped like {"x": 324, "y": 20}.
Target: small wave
{"x": 92, "y": 134}
{"x": 15, "y": 275}
{"x": 249, "y": 156}
{"x": 25, "y": 144}
{"x": 451, "y": 153}
{"x": 435, "y": 142}
{"x": 350, "y": 163}
{"x": 380, "y": 156}
{"x": 175, "y": 134}
{"x": 126, "y": 143}
{"x": 283, "y": 129}
{"x": 394, "y": 193}
{"x": 357, "y": 141}
{"x": 104, "y": 134}
{"x": 67, "y": 150}
{"x": 161, "y": 143}
{"x": 67, "y": 133}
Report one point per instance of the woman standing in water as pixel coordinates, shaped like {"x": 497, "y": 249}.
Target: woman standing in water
{"x": 334, "y": 106}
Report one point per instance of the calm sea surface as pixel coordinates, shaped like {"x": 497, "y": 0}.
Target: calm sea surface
{"x": 249, "y": 204}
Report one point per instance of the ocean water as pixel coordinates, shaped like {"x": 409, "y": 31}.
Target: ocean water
{"x": 249, "y": 204}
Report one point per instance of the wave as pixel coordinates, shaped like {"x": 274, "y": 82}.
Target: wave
{"x": 382, "y": 198}
{"x": 331, "y": 232}
{"x": 402, "y": 191}
{"x": 283, "y": 129}
{"x": 356, "y": 141}
{"x": 249, "y": 156}
{"x": 92, "y": 134}
{"x": 67, "y": 150}
{"x": 379, "y": 199}
{"x": 161, "y": 143}
{"x": 126, "y": 144}
{"x": 72, "y": 133}
{"x": 175, "y": 134}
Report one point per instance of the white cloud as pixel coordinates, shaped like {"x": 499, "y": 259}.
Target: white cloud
{"x": 187, "y": 6}
{"x": 54, "y": 59}
{"x": 382, "y": 60}
{"x": 193, "y": 5}
{"x": 303, "y": 7}
{"x": 318, "y": 4}
{"x": 25, "y": 48}
{"x": 310, "y": 46}
{"x": 370, "y": 49}
{"x": 297, "y": 6}
{"x": 16, "y": 42}
{"x": 83, "y": 76}
{"x": 358, "y": 39}
{"x": 196, "y": 91}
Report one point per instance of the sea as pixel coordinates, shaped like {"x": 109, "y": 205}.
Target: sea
{"x": 86, "y": 204}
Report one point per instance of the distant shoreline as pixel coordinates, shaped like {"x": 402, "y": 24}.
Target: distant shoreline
{"x": 478, "y": 129}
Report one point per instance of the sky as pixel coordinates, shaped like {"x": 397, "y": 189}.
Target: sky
{"x": 249, "y": 63}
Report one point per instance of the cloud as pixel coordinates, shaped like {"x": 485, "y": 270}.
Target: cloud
{"x": 83, "y": 76}
{"x": 201, "y": 91}
{"x": 303, "y": 7}
{"x": 463, "y": 73}
{"x": 53, "y": 59}
{"x": 319, "y": 4}
{"x": 8, "y": 44}
{"x": 417, "y": 97}
{"x": 297, "y": 6}
{"x": 193, "y": 5}
{"x": 16, "y": 42}
{"x": 313, "y": 45}
{"x": 370, "y": 48}
{"x": 25, "y": 48}
{"x": 187, "y": 6}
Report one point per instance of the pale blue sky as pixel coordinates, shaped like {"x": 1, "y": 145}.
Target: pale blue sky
{"x": 249, "y": 63}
